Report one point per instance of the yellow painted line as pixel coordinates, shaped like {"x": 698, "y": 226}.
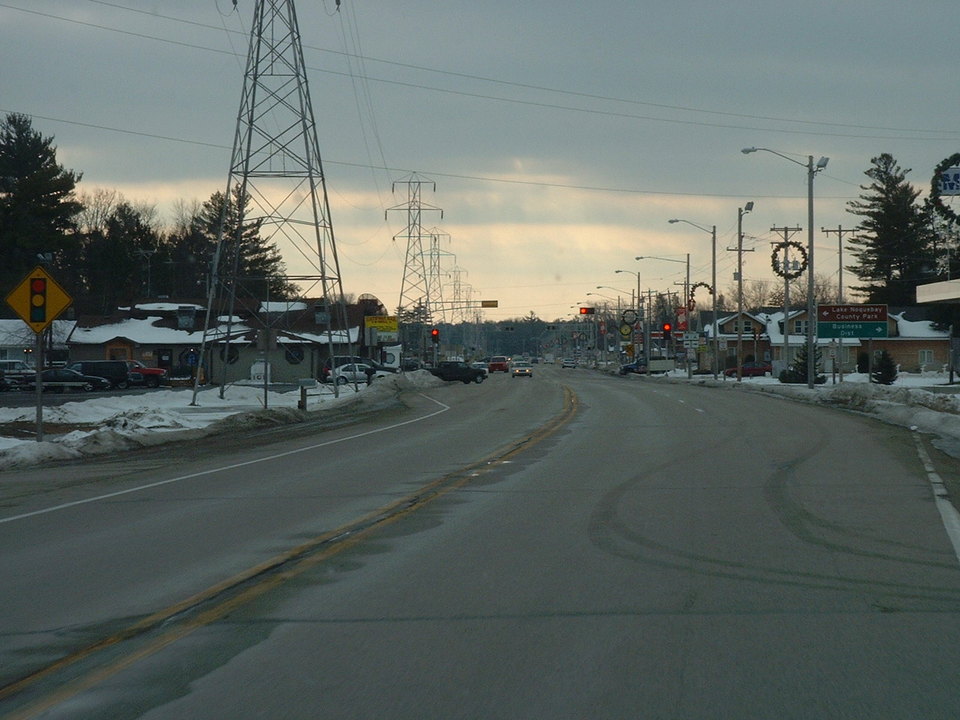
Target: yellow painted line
{"x": 310, "y": 554}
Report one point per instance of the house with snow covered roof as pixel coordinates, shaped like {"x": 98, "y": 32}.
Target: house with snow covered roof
{"x": 292, "y": 338}
{"x": 912, "y": 342}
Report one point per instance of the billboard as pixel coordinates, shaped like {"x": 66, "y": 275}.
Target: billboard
{"x": 950, "y": 181}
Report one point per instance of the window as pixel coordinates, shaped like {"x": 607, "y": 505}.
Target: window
{"x": 799, "y": 327}
{"x": 293, "y": 353}
{"x": 926, "y": 357}
{"x": 743, "y": 326}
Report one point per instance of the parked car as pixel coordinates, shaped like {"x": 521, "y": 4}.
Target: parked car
{"x": 4, "y": 385}
{"x": 338, "y": 360}
{"x": 63, "y": 379}
{"x": 141, "y": 374}
{"x": 568, "y": 363}
{"x": 521, "y": 369}
{"x": 356, "y": 373}
{"x": 15, "y": 371}
{"x": 116, "y": 371}
{"x": 637, "y": 366}
{"x": 498, "y": 363}
{"x": 751, "y": 369}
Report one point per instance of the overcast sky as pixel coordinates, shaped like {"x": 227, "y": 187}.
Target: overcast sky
{"x": 561, "y": 136}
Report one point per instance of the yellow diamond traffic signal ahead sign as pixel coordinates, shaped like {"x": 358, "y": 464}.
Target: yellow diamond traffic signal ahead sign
{"x": 38, "y": 299}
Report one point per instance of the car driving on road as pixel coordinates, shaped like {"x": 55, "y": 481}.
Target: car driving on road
{"x": 521, "y": 369}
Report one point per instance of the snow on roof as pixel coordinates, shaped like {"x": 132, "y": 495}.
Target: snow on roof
{"x": 917, "y": 328}
{"x": 143, "y": 331}
{"x": 282, "y": 306}
{"x": 146, "y": 332}
{"x": 166, "y": 306}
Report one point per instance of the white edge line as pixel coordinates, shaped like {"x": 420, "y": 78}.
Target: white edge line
{"x": 948, "y": 513}
{"x": 234, "y": 466}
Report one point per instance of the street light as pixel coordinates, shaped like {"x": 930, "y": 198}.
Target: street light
{"x": 713, "y": 285}
{"x": 686, "y": 289}
{"x": 812, "y": 170}
{"x": 740, "y": 213}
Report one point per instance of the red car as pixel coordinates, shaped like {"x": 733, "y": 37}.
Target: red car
{"x": 498, "y": 363}
{"x": 751, "y": 369}
{"x": 140, "y": 374}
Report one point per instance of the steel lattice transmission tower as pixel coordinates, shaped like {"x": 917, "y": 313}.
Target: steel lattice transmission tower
{"x": 415, "y": 296}
{"x": 276, "y": 162}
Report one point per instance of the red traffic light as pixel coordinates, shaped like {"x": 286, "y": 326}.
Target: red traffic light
{"x": 38, "y": 299}
{"x": 666, "y": 328}
{"x": 435, "y": 335}
{"x": 587, "y": 311}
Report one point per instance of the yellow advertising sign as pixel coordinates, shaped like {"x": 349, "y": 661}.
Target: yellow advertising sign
{"x": 382, "y": 323}
{"x": 38, "y": 299}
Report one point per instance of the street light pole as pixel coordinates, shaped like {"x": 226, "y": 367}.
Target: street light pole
{"x": 713, "y": 287}
{"x": 812, "y": 170}
{"x": 740, "y": 213}
{"x": 686, "y": 292}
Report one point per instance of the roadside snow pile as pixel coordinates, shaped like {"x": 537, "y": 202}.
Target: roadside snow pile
{"x": 123, "y": 422}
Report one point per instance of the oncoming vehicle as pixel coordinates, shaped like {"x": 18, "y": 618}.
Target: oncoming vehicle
{"x": 498, "y": 363}
{"x": 521, "y": 369}
{"x": 63, "y": 379}
{"x": 568, "y": 363}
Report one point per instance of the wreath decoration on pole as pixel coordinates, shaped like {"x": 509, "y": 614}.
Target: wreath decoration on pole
{"x": 936, "y": 200}
{"x": 783, "y": 271}
{"x": 693, "y": 289}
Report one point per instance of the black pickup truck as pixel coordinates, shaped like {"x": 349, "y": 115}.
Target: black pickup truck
{"x": 454, "y": 370}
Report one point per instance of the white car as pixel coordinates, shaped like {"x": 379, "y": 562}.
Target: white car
{"x": 568, "y": 363}
{"x": 521, "y": 369}
{"x": 355, "y": 373}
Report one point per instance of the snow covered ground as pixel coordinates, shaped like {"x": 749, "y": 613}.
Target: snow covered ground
{"x": 123, "y": 422}
{"x": 127, "y": 421}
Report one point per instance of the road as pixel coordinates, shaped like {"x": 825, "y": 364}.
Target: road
{"x": 574, "y": 545}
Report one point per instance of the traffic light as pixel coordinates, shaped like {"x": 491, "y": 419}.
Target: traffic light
{"x": 587, "y": 311}
{"x": 435, "y": 336}
{"x": 666, "y": 328}
{"x": 38, "y": 299}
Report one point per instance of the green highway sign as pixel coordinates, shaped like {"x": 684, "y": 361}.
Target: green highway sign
{"x": 852, "y": 329}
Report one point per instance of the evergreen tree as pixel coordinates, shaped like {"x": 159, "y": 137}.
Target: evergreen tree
{"x": 114, "y": 258}
{"x": 37, "y": 202}
{"x": 797, "y": 372}
{"x": 893, "y": 243}
{"x": 259, "y": 266}
{"x": 885, "y": 373}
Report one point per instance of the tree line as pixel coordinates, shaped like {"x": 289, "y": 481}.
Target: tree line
{"x": 109, "y": 252}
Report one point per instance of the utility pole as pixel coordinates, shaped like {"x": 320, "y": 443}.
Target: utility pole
{"x": 840, "y": 231}
{"x": 786, "y": 232}
{"x": 740, "y": 213}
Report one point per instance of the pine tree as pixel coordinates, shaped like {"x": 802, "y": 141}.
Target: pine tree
{"x": 885, "y": 372}
{"x": 259, "y": 266}
{"x": 797, "y": 372}
{"x": 37, "y": 202}
{"x": 893, "y": 243}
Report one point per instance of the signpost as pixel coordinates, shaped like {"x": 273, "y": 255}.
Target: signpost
{"x": 38, "y": 300}
{"x": 852, "y": 321}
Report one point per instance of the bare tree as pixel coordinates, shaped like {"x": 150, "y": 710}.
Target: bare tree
{"x": 98, "y": 206}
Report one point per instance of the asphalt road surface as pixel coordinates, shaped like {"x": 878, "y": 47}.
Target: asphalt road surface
{"x": 575, "y": 545}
